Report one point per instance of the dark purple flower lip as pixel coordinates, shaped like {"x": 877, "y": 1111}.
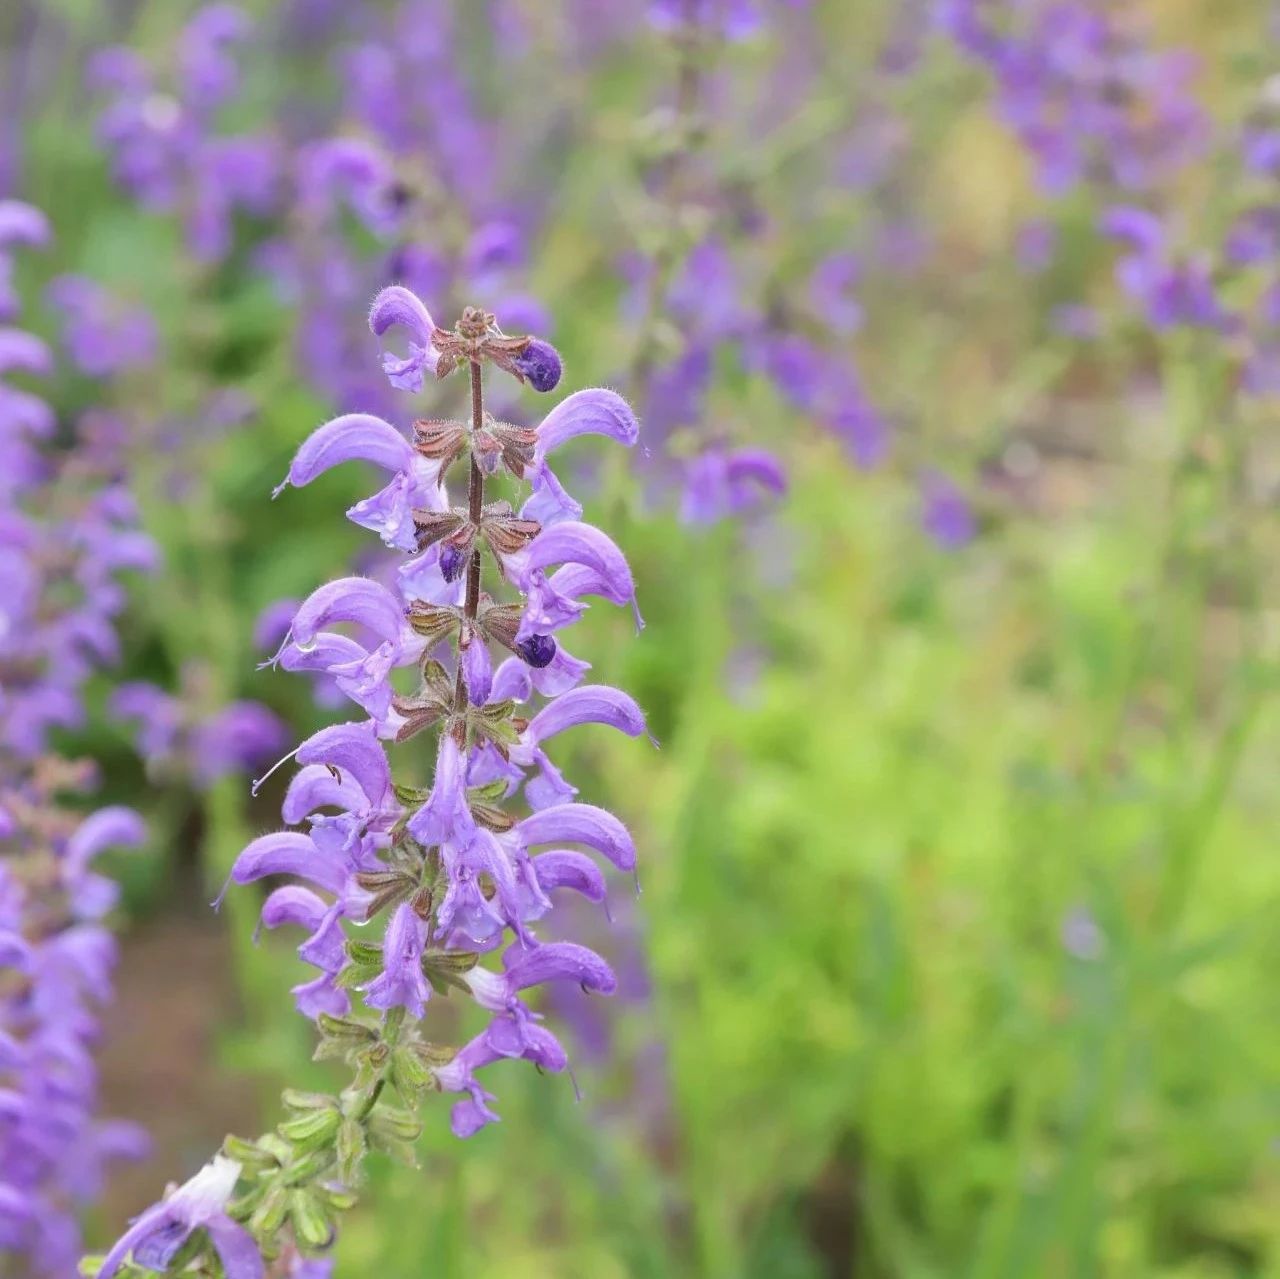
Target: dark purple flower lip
{"x": 538, "y": 650}
{"x": 541, "y": 364}
{"x": 452, "y": 562}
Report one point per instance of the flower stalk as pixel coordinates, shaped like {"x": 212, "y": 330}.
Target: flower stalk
{"x": 453, "y": 873}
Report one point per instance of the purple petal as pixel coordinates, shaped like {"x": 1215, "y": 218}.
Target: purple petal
{"x": 591, "y": 412}
{"x": 559, "y": 961}
{"x": 235, "y": 1246}
{"x": 355, "y": 749}
{"x": 316, "y": 787}
{"x": 575, "y": 543}
{"x": 22, "y": 224}
{"x": 115, "y": 826}
{"x": 289, "y": 853}
{"x": 477, "y": 668}
{"x": 580, "y": 824}
{"x": 354, "y": 436}
{"x": 349, "y": 599}
{"x": 23, "y": 352}
{"x": 563, "y": 868}
{"x": 591, "y": 704}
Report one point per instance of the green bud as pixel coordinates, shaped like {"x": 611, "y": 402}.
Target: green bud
{"x": 433, "y": 1056}
{"x": 276, "y": 1147}
{"x": 412, "y": 796}
{"x": 308, "y": 1167}
{"x": 248, "y": 1154}
{"x": 409, "y": 1074}
{"x": 364, "y": 952}
{"x": 355, "y": 975}
{"x": 268, "y": 1217}
{"x": 443, "y": 969}
{"x": 351, "y": 1148}
{"x": 310, "y": 1219}
{"x": 339, "y": 1198}
{"x": 391, "y": 1121}
{"x": 297, "y": 1099}
{"x": 311, "y": 1130}
{"x": 346, "y": 1028}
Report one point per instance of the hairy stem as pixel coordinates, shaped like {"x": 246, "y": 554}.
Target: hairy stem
{"x": 475, "y": 505}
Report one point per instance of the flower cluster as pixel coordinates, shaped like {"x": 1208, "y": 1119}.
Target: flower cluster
{"x": 56, "y": 960}
{"x": 415, "y": 166}
{"x": 174, "y": 736}
{"x": 688, "y": 297}
{"x": 1084, "y": 94}
{"x": 1226, "y": 286}
{"x": 163, "y": 140}
{"x": 65, "y": 535}
{"x": 450, "y": 872}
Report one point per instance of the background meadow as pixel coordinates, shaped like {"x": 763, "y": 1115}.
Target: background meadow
{"x": 956, "y": 947}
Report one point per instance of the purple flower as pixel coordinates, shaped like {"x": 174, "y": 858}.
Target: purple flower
{"x": 945, "y": 515}
{"x": 721, "y": 484}
{"x": 396, "y": 307}
{"x": 155, "y": 1236}
{"x": 452, "y": 871}
{"x": 401, "y": 983}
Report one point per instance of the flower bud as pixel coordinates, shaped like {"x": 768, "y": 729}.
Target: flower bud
{"x": 540, "y": 364}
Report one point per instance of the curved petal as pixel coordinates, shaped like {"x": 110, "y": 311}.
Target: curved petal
{"x": 315, "y": 787}
{"x": 294, "y": 904}
{"x": 24, "y": 352}
{"x": 326, "y": 650}
{"x": 396, "y": 305}
{"x": 157, "y": 1226}
{"x": 349, "y": 599}
{"x": 563, "y": 868}
{"x": 558, "y": 961}
{"x": 580, "y": 824}
{"x": 351, "y": 437}
{"x": 22, "y": 223}
{"x": 572, "y": 542}
{"x": 758, "y": 465}
{"x": 235, "y": 1246}
{"x": 594, "y": 411}
{"x": 289, "y": 853}
{"x": 355, "y": 749}
{"x": 115, "y": 826}
{"x": 590, "y": 704}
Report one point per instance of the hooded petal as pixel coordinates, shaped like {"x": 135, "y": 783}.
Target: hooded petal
{"x": 558, "y": 961}
{"x": 351, "y": 437}
{"x": 595, "y": 411}
{"x": 580, "y": 824}
{"x": 349, "y": 599}
{"x": 22, "y": 224}
{"x": 236, "y": 1248}
{"x": 445, "y": 814}
{"x": 23, "y": 352}
{"x": 402, "y": 983}
{"x": 398, "y": 307}
{"x": 590, "y": 704}
{"x": 477, "y": 668}
{"x": 115, "y": 826}
{"x": 355, "y": 749}
{"x": 563, "y": 868}
{"x": 314, "y": 787}
{"x": 289, "y": 853}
